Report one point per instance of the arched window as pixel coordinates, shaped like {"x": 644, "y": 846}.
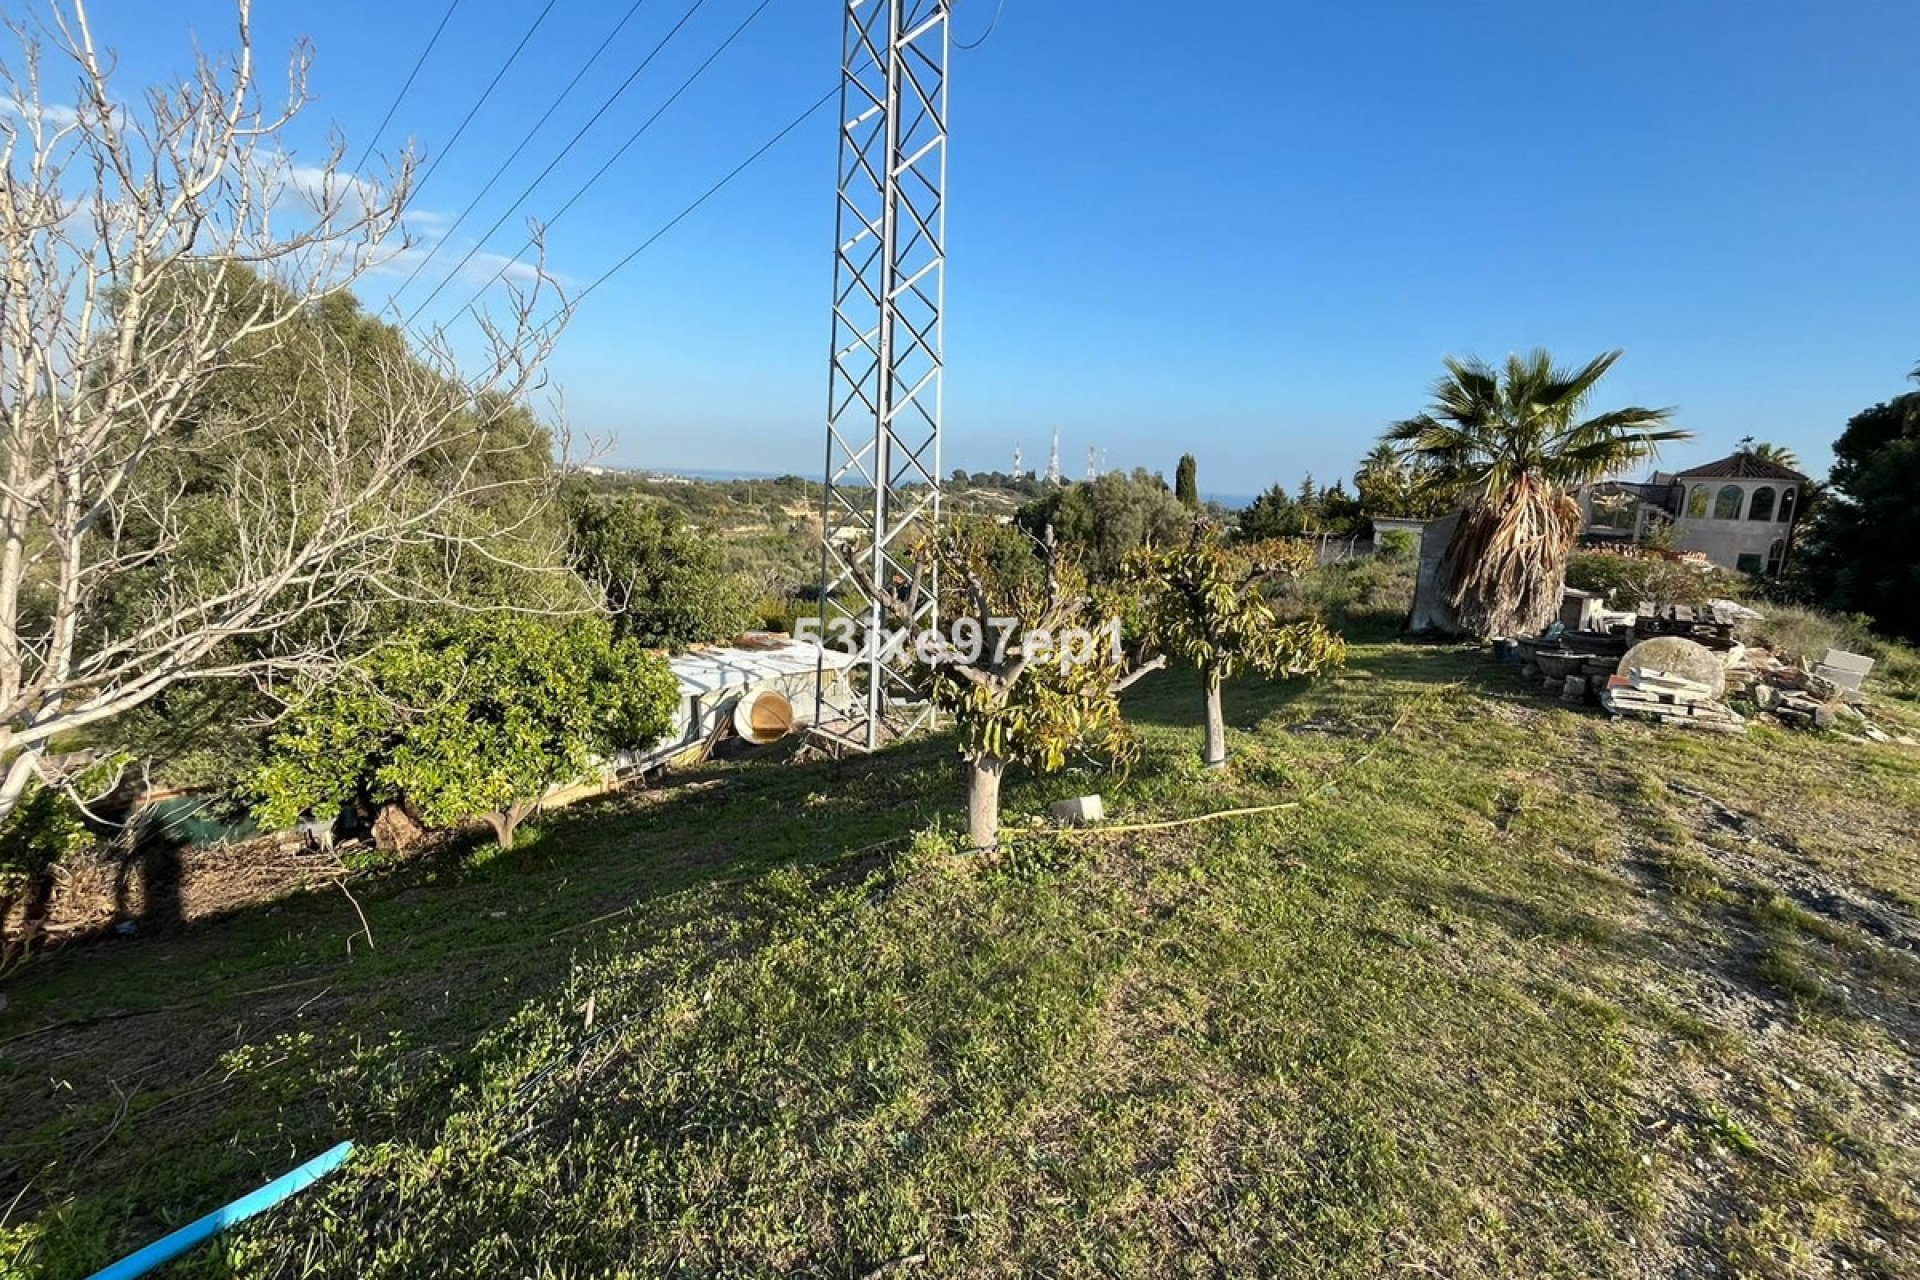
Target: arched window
{"x": 1761, "y": 508}
{"x": 1726, "y": 506}
{"x": 1786, "y": 506}
{"x": 1776, "y": 557}
{"x": 1697, "y": 503}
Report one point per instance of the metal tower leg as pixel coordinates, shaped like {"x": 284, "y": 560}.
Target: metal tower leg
{"x": 884, "y": 392}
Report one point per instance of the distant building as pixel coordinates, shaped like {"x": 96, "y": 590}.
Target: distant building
{"x": 1739, "y": 512}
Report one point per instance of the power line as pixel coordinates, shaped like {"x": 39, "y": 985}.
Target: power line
{"x": 610, "y": 160}
{"x": 484, "y": 95}
{"x": 394, "y": 106}
{"x": 708, "y": 194}
{"x": 513, "y": 155}
{"x": 998, "y": 9}
{"x": 660, "y": 232}
{"x": 579, "y": 133}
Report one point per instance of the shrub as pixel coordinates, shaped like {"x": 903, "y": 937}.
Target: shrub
{"x": 1367, "y": 597}
{"x": 1394, "y": 544}
{"x": 1626, "y": 581}
{"x": 43, "y": 828}
{"x": 474, "y": 720}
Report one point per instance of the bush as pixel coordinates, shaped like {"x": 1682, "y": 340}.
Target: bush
{"x": 1394, "y": 544}
{"x": 1357, "y": 598}
{"x": 475, "y": 720}
{"x": 1625, "y": 581}
{"x": 43, "y": 828}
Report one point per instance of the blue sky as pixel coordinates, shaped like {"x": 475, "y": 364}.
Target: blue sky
{"x": 1250, "y": 229}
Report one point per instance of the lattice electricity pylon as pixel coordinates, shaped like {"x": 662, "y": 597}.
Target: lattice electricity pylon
{"x": 883, "y": 403}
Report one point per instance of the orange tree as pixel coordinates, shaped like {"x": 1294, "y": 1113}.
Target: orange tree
{"x": 1202, "y": 602}
{"x": 477, "y": 718}
{"x": 1025, "y": 663}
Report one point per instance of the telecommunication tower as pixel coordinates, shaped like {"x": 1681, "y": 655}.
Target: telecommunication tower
{"x": 884, "y": 390}
{"x": 1053, "y": 460}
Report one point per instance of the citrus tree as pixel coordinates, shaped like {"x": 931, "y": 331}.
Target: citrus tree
{"x": 1202, "y": 602}
{"x": 477, "y": 719}
{"x": 1025, "y": 663}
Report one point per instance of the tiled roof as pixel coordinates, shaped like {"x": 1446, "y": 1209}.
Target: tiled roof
{"x": 1743, "y": 466}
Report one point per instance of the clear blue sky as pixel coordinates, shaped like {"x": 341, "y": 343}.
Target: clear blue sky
{"x": 1247, "y": 229}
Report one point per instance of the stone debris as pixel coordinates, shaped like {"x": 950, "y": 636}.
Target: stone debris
{"x": 1705, "y": 680}
{"x": 1669, "y": 698}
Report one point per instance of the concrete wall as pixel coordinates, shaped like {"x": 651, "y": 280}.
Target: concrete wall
{"x": 1723, "y": 540}
{"x": 1431, "y": 612}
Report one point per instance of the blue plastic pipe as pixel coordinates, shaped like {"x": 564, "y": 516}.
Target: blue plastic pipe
{"x": 287, "y": 1185}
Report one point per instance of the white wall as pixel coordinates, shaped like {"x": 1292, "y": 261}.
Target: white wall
{"x": 1725, "y": 541}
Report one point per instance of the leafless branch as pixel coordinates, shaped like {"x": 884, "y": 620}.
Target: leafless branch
{"x": 150, "y": 246}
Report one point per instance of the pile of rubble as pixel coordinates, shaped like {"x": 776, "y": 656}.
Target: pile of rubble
{"x": 1678, "y": 680}
{"x": 1646, "y": 691}
{"x": 1827, "y": 696}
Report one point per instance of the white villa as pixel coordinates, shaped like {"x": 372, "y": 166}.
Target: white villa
{"x": 1738, "y": 512}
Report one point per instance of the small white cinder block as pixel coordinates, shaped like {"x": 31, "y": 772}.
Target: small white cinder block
{"x": 1079, "y": 811}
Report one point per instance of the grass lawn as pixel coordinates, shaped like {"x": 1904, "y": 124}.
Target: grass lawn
{"x": 1513, "y": 990}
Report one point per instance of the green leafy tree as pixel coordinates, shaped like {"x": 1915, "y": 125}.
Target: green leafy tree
{"x": 1186, "y": 482}
{"x": 1862, "y": 548}
{"x": 1274, "y": 514}
{"x": 1101, "y": 521}
{"x": 1391, "y": 484}
{"x": 1028, "y": 696}
{"x": 474, "y": 720}
{"x": 44, "y": 828}
{"x": 173, "y": 507}
{"x": 664, "y": 583}
{"x": 494, "y": 542}
{"x": 1517, "y": 443}
{"x": 1337, "y": 513}
{"x": 1202, "y": 602}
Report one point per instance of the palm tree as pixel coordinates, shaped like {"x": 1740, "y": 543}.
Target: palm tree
{"x": 1775, "y": 453}
{"x": 1515, "y": 441}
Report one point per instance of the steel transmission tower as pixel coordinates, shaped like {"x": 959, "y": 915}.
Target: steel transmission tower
{"x": 883, "y": 402}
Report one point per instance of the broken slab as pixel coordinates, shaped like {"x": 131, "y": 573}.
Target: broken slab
{"x": 1847, "y": 671}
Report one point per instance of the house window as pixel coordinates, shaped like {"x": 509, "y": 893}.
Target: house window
{"x": 1776, "y": 557}
{"x": 1697, "y": 503}
{"x": 1749, "y": 562}
{"x": 1761, "y": 508}
{"x": 1727, "y": 505}
{"x": 1786, "y": 506}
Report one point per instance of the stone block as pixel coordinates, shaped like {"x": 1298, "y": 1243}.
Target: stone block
{"x": 1078, "y": 811}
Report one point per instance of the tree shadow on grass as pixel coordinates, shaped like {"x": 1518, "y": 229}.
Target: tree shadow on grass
{"x": 432, "y": 956}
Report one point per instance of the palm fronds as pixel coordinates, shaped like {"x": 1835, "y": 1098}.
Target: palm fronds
{"x": 1515, "y": 442}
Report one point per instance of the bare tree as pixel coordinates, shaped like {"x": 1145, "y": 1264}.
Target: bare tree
{"x": 151, "y": 246}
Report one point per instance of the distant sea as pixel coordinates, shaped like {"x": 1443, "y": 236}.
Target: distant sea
{"x": 694, "y": 473}
{"x": 1233, "y": 501}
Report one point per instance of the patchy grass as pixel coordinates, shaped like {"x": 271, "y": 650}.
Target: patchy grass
{"x": 1512, "y": 990}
